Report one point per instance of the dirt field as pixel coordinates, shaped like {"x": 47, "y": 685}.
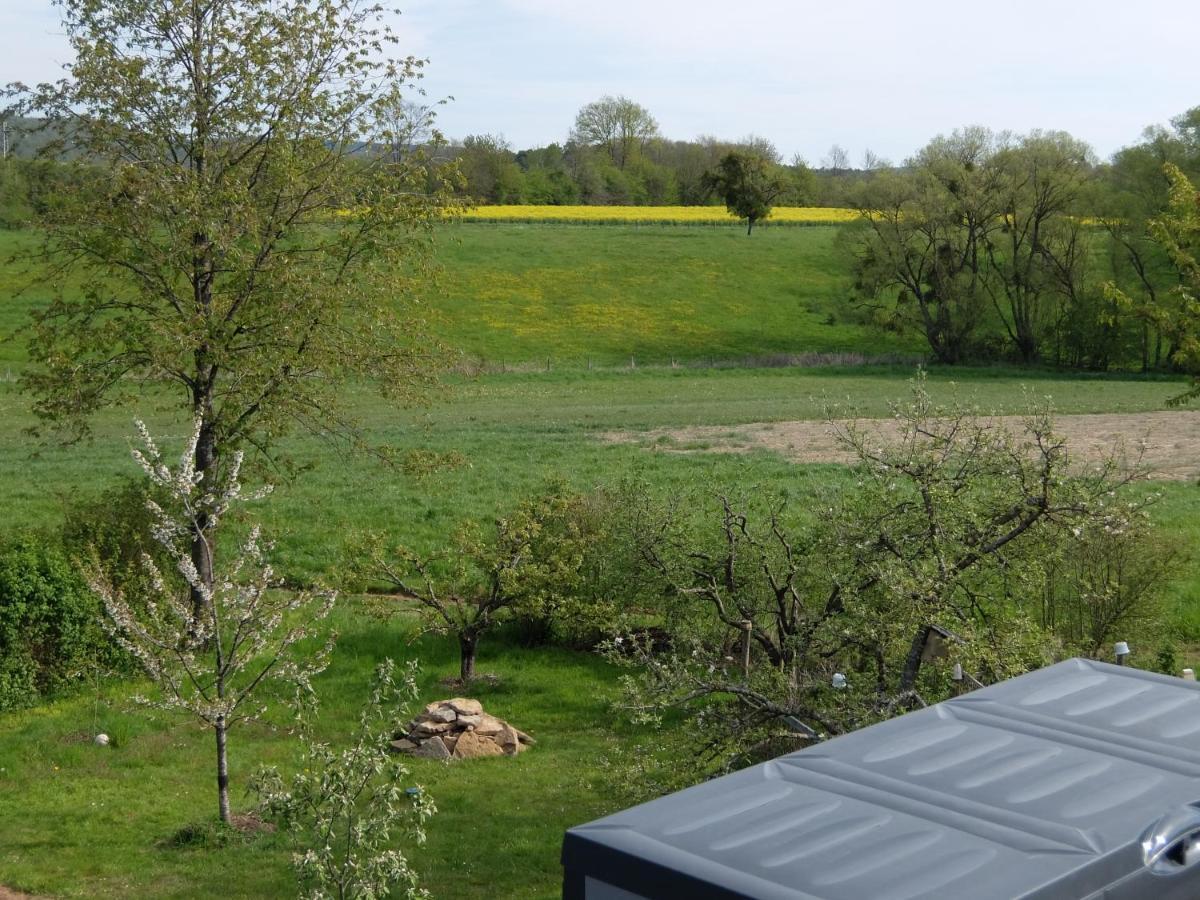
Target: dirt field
{"x": 1169, "y": 442}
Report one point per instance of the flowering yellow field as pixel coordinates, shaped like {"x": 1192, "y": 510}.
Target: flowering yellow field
{"x": 664, "y": 215}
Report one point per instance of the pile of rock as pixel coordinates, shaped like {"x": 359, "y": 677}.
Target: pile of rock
{"x": 459, "y": 729}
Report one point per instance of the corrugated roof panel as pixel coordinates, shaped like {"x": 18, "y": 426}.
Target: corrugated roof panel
{"x": 1048, "y": 779}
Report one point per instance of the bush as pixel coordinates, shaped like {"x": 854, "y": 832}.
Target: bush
{"x": 112, "y": 530}
{"x": 50, "y": 634}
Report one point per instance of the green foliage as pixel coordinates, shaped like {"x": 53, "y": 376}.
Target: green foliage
{"x": 232, "y": 238}
{"x": 14, "y": 195}
{"x": 1177, "y": 230}
{"x": 1166, "y": 659}
{"x": 490, "y": 171}
{"x": 532, "y": 563}
{"x": 344, "y": 808}
{"x": 112, "y": 530}
{"x": 920, "y": 252}
{"x": 50, "y": 636}
{"x": 749, "y": 183}
{"x": 1172, "y": 310}
{"x": 983, "y": 231}
{"x": 1107, "y": 584}
{"x": 949, "y": 534}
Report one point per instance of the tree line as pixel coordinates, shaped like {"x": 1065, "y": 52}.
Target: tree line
{"x": 616, "y": 155}
{"x": 992, "y": 245}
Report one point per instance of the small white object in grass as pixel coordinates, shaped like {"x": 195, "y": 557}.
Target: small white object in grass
{"x": 839, "y": 680}
{"x": 102, "y": 739}
{"x": 1120, "y": 648}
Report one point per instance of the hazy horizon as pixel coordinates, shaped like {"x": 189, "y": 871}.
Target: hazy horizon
{"x": 803, "y": 75}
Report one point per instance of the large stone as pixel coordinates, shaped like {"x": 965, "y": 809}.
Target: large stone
{"x": 403, "y": 745}
{"x": 523, "y": 737}
{"x": 440, "y": 714}
{"x": 508, "y": 740}
{"x": 471, "y": 745}
{"x": 464, "y": 706}
{"x": 433, "y": 727}
{"x": 451, "y": 741}
{"x": 488, "y": 725}
{"x": 468, "y": 722}
{"x": 433, "y": 748}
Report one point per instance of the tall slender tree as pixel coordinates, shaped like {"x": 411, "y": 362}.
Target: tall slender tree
{"x": 247, "y": 236}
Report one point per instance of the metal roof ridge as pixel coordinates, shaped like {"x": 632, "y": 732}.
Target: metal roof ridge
{"x": 998, "y": 714}
{"x": 992, "y": 823}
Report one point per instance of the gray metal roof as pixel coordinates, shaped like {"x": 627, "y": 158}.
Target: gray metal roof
{"x": 1042, "y": 786}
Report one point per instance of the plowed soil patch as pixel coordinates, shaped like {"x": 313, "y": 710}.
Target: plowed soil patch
{"x": 1167, "y": 443}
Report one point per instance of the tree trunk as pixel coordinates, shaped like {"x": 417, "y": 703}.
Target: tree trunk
{"x": 222, "y": 771}
{"x": 468, "y": 644}
{"x": 749, "y": 224}
{"x": 201, "y": 549}
{"x": 912, "y": 663}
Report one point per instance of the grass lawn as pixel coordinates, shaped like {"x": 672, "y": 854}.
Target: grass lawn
{"x": 518, "y": 430}
{"x": 85, "y": 821}
{"x": 78, "y": 820}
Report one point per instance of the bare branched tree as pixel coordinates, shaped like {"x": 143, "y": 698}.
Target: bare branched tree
{"x": 946, "y": 536}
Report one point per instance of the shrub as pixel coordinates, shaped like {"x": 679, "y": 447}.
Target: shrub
{"x": 111, "y": 530}
{"x": 50, "y": 634}
{"x": 345, "y": 807}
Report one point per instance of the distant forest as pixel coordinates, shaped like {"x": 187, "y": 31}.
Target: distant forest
{"x": 988, "y": 244}
{"x": 615, "y": 155}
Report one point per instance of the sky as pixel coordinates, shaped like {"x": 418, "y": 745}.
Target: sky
{"x": 874, "y": 74}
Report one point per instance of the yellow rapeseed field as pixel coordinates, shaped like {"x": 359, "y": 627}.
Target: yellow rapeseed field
{"x": 653, "y": 215}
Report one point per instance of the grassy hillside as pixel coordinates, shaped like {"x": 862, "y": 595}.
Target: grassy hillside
{"x": 514, "y": 294}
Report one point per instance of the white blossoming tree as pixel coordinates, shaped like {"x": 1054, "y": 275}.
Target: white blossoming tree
{"x": 219, "y": 667}
{"x": 346, "y": 807}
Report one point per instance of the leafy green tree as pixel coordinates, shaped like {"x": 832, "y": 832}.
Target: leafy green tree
{"x": 1131, "y": 191}
{"x": 749, "y": 183}
{"x": 247, "y": 240}
{"x": 1177, "y": 231}
{"x": 530, "y": 560}
{"x": 490, "y": 169}
{"x": 547, "y": 179}
{"x": 618, "y": 126}
{"x": 920, "y": 253}
{"x": 1038, "y": 258}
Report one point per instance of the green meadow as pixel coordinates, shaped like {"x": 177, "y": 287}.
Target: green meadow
{"x": 76, "y": 820}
